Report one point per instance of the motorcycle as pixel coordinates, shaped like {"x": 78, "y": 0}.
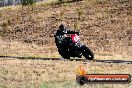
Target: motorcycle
{"x": 70, "y": 46}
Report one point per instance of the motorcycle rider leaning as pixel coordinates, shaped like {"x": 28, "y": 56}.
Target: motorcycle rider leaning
{"x": 61, "y": 31}
{"x": 68, "y": 49}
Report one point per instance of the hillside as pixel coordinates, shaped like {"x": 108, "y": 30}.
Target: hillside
{"x": 105, "y": 26}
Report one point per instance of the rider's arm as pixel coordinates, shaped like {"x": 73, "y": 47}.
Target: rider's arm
{"x": 72, "y": 32}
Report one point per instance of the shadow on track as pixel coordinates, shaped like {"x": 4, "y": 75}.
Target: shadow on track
{"x": 33, "y": 58}
{"x": 115, "y": 61}
{"x": 84, "y": 60}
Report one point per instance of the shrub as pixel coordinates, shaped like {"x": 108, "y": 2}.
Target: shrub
{"x": 60, "y": 1}
{"x": 28, "y": 2}
{"x": 79, "y": 13}
{"x": 61, "y": 15}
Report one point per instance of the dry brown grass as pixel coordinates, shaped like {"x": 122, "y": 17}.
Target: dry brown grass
{"x": 105, "y": 26}
{"x": 55, "y": 74}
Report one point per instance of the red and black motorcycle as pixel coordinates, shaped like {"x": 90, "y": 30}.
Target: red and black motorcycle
{"x": 70, "y": 46}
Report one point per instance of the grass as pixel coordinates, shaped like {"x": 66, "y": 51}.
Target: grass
{"x": 55, "y": 74}
{"x": 105, "y": 28}
{"x": 98, "y": 26}
{"x": 73, "y": 84}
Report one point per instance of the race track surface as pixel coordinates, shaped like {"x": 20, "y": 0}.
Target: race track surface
{"x": 84, "y": 60}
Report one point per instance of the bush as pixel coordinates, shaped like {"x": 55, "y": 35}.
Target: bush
{"x": 60, "y": 1}
{"x": 79, "y": 13}
{"x": 28, "y": 2}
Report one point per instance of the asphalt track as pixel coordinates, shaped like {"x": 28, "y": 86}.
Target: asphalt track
{"x": 59, "y": 59}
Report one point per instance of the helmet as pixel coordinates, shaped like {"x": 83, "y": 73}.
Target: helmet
{"x": 61, "y": 27}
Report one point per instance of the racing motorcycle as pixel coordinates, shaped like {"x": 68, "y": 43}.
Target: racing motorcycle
{"x": 70, "y": 46}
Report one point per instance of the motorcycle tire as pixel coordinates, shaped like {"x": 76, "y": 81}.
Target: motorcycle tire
{"x": 87, "y": 53}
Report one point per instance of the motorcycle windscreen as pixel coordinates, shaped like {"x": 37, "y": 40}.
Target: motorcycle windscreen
{"x": 75, "y": 38}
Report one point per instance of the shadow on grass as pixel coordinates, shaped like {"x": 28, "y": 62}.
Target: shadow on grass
{"x": 60, "y": 59}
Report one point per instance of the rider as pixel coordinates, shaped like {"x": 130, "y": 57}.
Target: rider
{"x": 61, "y": 31}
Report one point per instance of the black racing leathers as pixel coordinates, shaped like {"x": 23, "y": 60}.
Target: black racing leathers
{"x": 59, "y": 34}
